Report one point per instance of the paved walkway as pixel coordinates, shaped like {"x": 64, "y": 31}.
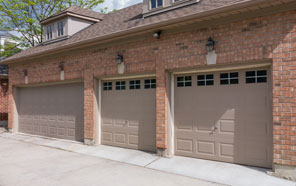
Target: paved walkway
{"x": 215, "y": 172}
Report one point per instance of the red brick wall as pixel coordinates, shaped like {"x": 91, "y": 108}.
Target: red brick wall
{"x": 3, "y": 99}
{"x": 264, "y": 38}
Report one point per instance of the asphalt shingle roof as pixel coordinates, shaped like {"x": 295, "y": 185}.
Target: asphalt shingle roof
{"x": 80, "y": 11}
{"x": 129, "y": 18}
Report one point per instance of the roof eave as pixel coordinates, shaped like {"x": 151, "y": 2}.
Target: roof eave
{"x": 83, "y": 43}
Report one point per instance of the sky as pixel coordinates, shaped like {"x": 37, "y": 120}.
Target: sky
{"x": 117, "y": 4}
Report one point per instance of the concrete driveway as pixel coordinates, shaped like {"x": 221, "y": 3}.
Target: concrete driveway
{"x": 27, "y": 164}
{"x": 34, "y": 160}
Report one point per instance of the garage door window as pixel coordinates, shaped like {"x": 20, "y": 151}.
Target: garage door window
{"x": 107, "y": 86}
{"x": 205, "y": 80}
{"x": 120, "y": 85}
{"x": 184, "y": 81}
{"x": 150, "y": 83}
{"x": 135, "y": 84}
{"x": 229, "y": 78}
{"x": 259, "y": 76}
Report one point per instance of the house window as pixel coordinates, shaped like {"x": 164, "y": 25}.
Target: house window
{"x": 156, "y": 3}
{"x": 120, "y": 85}
{"x": 184, "y": 81}
{"x": 49, "y": 31}
{"x": 259, "y": 76}
{"x": 107, "y": 86}
{"x": 135, "y": 84}
{"x": 150, "y": 83}
{"x": 205, "y": 80}
{"x": 60, "y": 28}
{"x": 229, "y": 78}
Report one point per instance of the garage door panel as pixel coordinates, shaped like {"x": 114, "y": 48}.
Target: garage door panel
{"x": 52, "y": 111}
{"x": 129, "y": 116}
{"x": 230, "y": 123}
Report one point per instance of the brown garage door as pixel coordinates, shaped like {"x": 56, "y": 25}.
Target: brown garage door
{"x": 225, "y": 116}
{"x": 52, "y": 111}
{"x": 128, "y": 113}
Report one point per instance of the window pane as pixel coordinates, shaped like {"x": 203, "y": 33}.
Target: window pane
{"x": 233, "y": 74}
{"x": 201, "y": 83}
{"x": 233, "y": 81}
{"x": 210, "y": 76}
{"x": 251, "y": 80}
{"x": 153, "y": 81}
{"x": 187, "y": 78}
{"x": 262, "y": 79}
{"x": 188, "y": 84}
{"x": 180, "y": 78}
{"x": 159, "y": 3}
{"x": 153, "y": 86}
{"x": 201, "y": 77}
{"x": 224, "y": 75}
{"x": 250, "y": 74}
{"x": 261, "y": 73}
{"x": 153, "y": 3}
{"x": 224, "y": 82}
{"x": 210, "y": 82}
{"x": 180, "y": 84}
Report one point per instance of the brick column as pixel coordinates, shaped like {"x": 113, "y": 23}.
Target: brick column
{"x": 11, "y": 107}
{"x": 89, "y": 108}
{"x": 284, "y": 107}
{"x": 161, "y": 110}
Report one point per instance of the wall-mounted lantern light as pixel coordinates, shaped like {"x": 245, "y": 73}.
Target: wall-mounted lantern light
{"x": 157, "y": 34}
{"x": 210, "y": 45}
{"x": 25, "y": 73}
{"x": 119, "y": 59}
{"x": 61, "y": 67}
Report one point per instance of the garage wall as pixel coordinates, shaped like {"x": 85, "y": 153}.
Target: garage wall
{"x": 264, "y": 38}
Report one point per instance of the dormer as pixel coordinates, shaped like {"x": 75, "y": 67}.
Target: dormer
{"x": 152, "y": 7}
{"x": 67, "y": 23}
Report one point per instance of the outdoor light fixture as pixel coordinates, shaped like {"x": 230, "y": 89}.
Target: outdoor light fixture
{"x": 157, "y": 34}
{"x": 25, "y": 73}
{"x": 119, "y": 59}
{"x": 210, "y": 45}
{"x": 61, "y": 67}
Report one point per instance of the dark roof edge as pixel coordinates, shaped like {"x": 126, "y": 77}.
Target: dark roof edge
{"x": 137, "y": 29}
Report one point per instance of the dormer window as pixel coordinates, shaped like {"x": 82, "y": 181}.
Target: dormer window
{"x": 49, "y": 31}
{"x": 61, "y": 28}
{"x": 156, "y": 3}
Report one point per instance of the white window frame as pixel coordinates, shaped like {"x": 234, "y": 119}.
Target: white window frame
{"x": 121, "y": 85}
{"x": 150, "y": 4}
{"x": 149, "y": 85}
{"x": 229, "y": 78}
{"x": 256, "y": 76}
{"x": 135, "y": 84}
{"x": 184, "y": 81}
{"x": 206, "y": 80}
{"x": 51, "y": 33}
{"x": 58, "y": 28}
{"x": 107, "y": 86}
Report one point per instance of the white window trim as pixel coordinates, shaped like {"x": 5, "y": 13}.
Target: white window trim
{"x": 205, "y": 80}
{"x": 64, "y": 30}
{"x": 134, "y": 84}
{"x": 52, "y": 28}
{"x": 157, "y": 7}
{"x": 256, "y": 75}
{"x": 229, "y": 78}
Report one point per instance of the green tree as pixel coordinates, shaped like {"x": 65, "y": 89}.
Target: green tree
{"x": 24, "y": 16}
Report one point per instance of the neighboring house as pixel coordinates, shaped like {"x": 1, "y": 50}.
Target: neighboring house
{"x": 3, "y": 95}
{"x": 204, "y": 79}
